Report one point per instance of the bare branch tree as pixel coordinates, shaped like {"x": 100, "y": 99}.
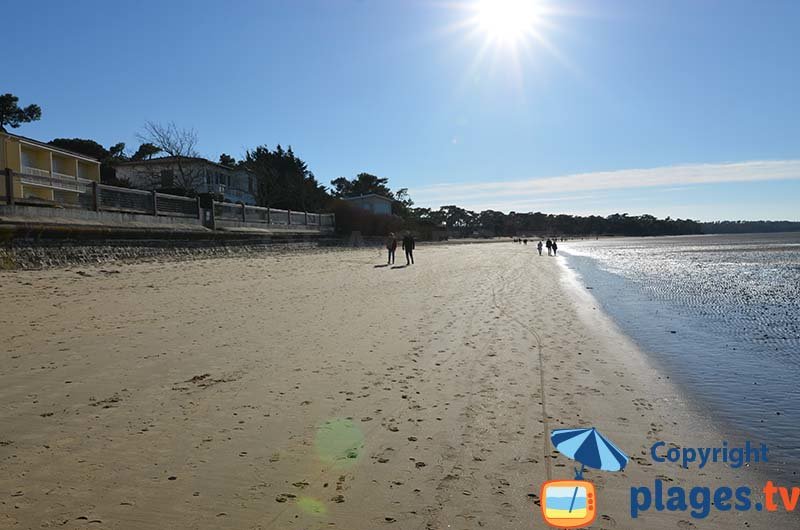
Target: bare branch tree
{"x": 170, "y": 139}
{"x": 178, "y": 143}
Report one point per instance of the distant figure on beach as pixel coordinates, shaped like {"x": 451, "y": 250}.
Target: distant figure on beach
{"x": 525, "y": 241}
{"x": 408, "y": 246}
{"x": 555, "y": 247}
{"x": 391, "y": 246}
{"x": 539, "y": 247}
{"x": 549, "y": 245}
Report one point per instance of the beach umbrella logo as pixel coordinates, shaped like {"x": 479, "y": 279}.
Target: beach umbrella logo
{"x": 590, "y": 448}
{"x": 572, "y": 503}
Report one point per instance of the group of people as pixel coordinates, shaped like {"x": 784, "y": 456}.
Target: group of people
{"x": 552, "y": 247}
{"x": 408, "y": 245}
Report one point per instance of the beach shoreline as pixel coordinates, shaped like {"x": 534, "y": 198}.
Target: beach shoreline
{"x": 715, "y": 314}
{"x": 313, "y": 389}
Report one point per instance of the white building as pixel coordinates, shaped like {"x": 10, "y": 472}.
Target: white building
{"x": 372, "y": 202}
{"x": 198, "y": 174}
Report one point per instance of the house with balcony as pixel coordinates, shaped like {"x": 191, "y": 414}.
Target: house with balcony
{"x": 190, "y": 173}
{"x": 44, "y": 174}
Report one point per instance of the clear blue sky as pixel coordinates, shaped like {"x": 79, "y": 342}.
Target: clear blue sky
{"x": 410, "y": 90}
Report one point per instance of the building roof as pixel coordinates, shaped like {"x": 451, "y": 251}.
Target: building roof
{"x": 368, "y": 196}
{"x": 31, "y": 141}
{"x": 167, "y": 159}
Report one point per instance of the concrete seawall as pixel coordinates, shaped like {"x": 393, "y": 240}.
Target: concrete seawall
{"x": 32, "y": 238}
{"x": 41, "y": 254}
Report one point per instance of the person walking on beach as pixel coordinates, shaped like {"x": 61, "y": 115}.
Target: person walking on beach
{"x": 391, "y": 246}
{"x": 549, "y": 245}
{"x": 539, "y": 247}
{"x": 408, "y": 246}
{"x": 555, "y": 247}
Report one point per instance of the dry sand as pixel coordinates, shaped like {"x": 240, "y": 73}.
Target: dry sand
{"x": 315, "y": 390}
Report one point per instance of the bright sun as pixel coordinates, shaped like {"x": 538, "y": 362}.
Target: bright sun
{"x": 508, "y": 21}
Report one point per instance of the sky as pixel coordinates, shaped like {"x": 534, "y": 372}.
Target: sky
{"x": 676, "y": 108}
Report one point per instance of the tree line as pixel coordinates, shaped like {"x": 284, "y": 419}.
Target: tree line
{"x": 284, "y": 180}
{"x": 463, "y": 223}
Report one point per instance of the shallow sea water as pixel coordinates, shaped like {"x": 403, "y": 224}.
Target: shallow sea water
{"x": 720, "y": 314}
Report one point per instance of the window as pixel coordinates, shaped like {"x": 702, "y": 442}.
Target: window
{"x": 167, "y": 178}
{"x": 84, "y": 170}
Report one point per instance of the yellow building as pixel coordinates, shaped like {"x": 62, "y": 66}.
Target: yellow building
{"x": 43, "y": 173}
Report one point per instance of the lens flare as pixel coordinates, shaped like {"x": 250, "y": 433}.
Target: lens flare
{"x": 312, "y": 506}
{"x": 339, "y": 442}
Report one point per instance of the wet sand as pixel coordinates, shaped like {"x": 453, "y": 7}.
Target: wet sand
{"x": 720, "y": 313}
{"x": 316, "y": 390}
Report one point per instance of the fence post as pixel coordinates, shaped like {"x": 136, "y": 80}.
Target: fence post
{"x": 305, "y": 218}
{"x": 155, "y": 202}
{"x": 9, "y": 187}
{"x": 199, "y": 209}
{"x": 269, "y": 221}
{"x": 288, "y": 217}
{"x": 95, "y": 196}
{"x": 244, "y": 214}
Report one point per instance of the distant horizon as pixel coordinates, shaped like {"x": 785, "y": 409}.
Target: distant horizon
{"x": 577, "y": 107}
{"x": 647, "y": 180}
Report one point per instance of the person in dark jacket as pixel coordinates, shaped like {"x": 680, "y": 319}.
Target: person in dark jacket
{"x": 555, "y": 247}
{"x": 391, "y": 246}
{"x": 408, "y": 246}
{"x": 549, "y": 246}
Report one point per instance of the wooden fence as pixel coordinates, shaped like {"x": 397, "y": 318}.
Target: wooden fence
{"x": 272, "y": 216}
{"x": 90, "y": 195}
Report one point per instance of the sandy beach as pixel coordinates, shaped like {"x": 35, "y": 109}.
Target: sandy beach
{"x": 317, "y": 390}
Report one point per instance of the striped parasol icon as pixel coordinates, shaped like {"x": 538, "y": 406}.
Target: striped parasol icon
{"x": 590, "y": 448}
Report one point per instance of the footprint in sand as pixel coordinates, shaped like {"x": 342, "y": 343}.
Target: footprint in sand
{"x": 608, "y": 520}
{"x": 655, "y": 429}
{"x": 283, "y": 497}
{"x": 642, "y": 404}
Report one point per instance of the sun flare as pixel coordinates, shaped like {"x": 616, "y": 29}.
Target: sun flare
{"x": 508, "y": 21}
{"x": 509, "y": 38}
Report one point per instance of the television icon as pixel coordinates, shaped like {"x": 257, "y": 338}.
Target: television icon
{"x": 568, "y": 503}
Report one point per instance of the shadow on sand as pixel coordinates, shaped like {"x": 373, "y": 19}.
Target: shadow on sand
{"x": 399, "y": 266}
{"x": 380, "y": 266}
